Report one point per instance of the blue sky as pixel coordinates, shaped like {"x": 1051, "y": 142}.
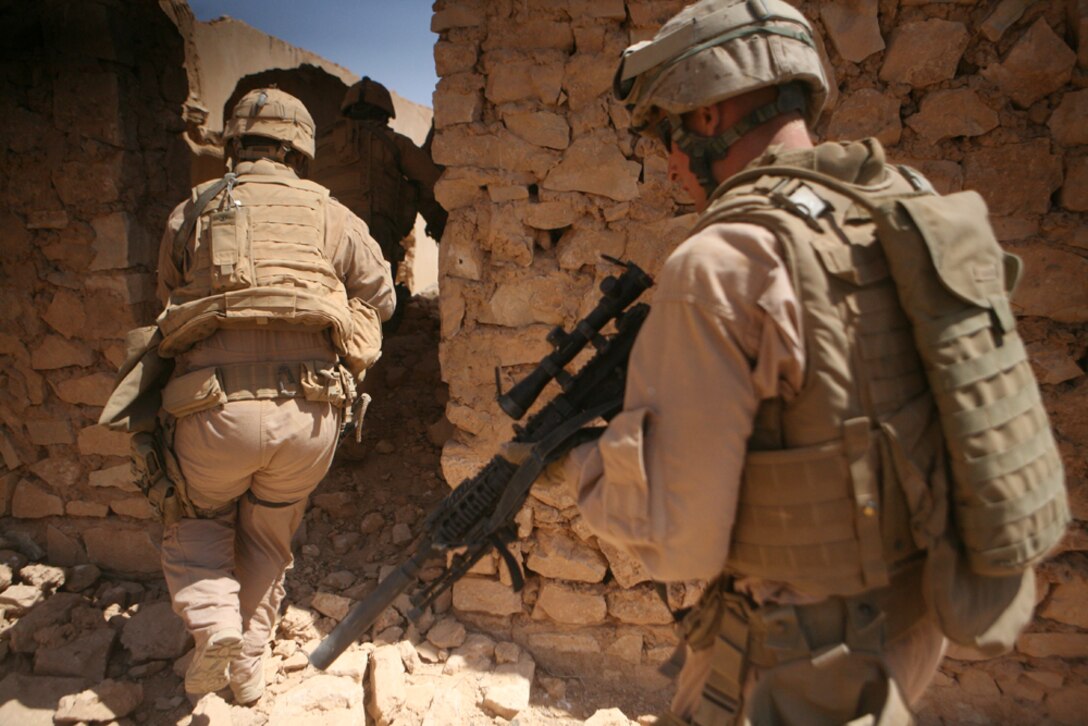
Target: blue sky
{"x": 389, "y": 41}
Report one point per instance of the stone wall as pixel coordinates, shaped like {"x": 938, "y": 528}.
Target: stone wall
{"x": 543, "y": 176}
{"x": 91, "y": 161}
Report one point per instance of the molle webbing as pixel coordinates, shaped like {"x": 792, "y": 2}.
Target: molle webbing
{"x": 258, "y": 258}
{"x": 953, "y": 281}
{"x": 810, "y": 516}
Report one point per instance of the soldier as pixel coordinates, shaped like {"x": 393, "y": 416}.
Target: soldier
{"x": 379, "y": 174}
{"x": 274, "y": 294}
{"x": 779, "y": 435}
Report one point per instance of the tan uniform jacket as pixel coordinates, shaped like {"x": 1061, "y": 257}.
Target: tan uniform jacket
{"x": 723, "y": 333}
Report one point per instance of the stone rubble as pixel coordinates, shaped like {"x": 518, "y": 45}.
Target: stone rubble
{"x": 542, "y": 175}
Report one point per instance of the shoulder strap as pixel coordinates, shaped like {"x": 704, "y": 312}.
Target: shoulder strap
{"x": 869, "y": 200}
{"x": 194, "y": 212}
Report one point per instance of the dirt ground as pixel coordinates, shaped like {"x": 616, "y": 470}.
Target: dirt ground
{"x": 363, "y": 520}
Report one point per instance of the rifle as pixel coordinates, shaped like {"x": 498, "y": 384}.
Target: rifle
{"x": 479, "y": 514}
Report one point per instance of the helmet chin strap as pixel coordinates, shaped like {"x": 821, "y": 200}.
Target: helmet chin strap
{"x": 702, "y": 151}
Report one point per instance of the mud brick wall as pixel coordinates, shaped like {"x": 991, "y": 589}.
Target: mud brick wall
{"x": 91, "y": 162}
{"x": 543, "y": 176}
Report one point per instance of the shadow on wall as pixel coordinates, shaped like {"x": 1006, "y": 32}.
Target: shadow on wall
{"x": 319, "y": 90}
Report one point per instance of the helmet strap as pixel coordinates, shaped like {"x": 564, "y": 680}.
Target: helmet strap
{"x": 703, "y": 151}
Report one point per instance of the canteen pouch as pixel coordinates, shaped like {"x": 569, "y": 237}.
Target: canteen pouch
{"x": 193, "y": 392}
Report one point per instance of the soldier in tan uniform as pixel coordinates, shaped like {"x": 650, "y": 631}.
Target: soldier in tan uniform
{"x": 380, "y": 174}
{"x": 274, "y": 295}
{"x": 778, "y": 425}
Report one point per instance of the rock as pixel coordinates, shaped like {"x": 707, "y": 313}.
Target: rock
{"x": 55, "y": 351}
{"x": 122, "y": 549}
{"x": 90, "y": 390}
{"x": 322, "y": 699}
{"x": 569, "y": 606}
{"x": 592, "y": 166}
{"x": 1052, "y": 285}
{"x": 1039, "y": 64}
{"x": 295, "y": 662}
{"x": 352, "y": 664}
{"x": 402, "y": 534}
{"x": 86, "y": 657}
{"x": 15, "y": 560}
{"x": 385, "y": 447}
{"x": 507, "y": 652}
{"x": 1074, "y": 195}
{"x": 949, "y": 113}
{"x": 17, "y": 599}
{"x": 339, "y": 580}
{"x": 853, "y": 27}
{"x": 640, "y": 606}
{"x": 867, "y": 112}
{"x": 1015, "y": 179}
{"x": 1047, "y": 645}
{"x": 344, "y": 541}
{"x": 924, "y": 52}
{"x": 154, "y": 633}
{"x": 64, "y": 549}
{"x": 1067, "y": 122}
{"x": 44, "y": 577}
{"x": 372, "y": 523}
{"x": 1002, "y": 18}
{"x": 515, "y": 80}
{"x": 627, "y": 648}
{"x": 387, "y": 684}
{"x": 483, "y": 595}
{"x": 54, "y": 611}
{"x": 47, "y": 433}
{"x": 5, "y": 576}
{"x": 447, "y": 633}
{"x": 33, "y": 700}
{"x": 506, "y": 690}
{"x": 80, "y": 577}
{"x": 558, "y": 556}
{"x": 608, "y": 717}
{"x": 211, "y": 709}
{"x": 334, "y": 606}
{"x": 1067, "y": 604}
{"x": 626, "y": 569}
{"x": 540, "y": 127}
{"x": 1067, "y": 705}
{"x": 33, "y": 502}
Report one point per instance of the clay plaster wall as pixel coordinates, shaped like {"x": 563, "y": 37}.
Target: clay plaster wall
{"x": 543, "y": 175}
{"x": 91, "y": 162}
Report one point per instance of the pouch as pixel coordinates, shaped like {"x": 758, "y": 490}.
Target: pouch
{"x": 229, "y": 252}
{"x": 193, "y": 392}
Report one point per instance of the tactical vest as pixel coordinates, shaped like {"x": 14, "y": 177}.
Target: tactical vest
{"x": 918, "y": 394}
{"x": 258, "y": 257}
{"x": 361, "y": 166}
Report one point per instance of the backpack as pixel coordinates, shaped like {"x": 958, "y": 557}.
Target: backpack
{"x": 1007, "y": 505}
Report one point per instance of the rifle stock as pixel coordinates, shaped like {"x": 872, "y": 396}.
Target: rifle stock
{"x": 478, "y": 515}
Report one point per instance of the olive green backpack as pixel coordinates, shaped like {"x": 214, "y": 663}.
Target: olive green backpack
{"x": 1007, "y": 506}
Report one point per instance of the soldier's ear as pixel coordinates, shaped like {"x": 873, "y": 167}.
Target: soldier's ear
{"x": 704, "y": 120}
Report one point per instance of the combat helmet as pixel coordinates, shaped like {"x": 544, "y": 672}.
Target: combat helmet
{"x": 274, "y": 114}
{"x": 370, "y": 92}
{"x": 714, "y": 50}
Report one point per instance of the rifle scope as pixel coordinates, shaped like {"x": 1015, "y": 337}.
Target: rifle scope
{"x": 619, "y": 292}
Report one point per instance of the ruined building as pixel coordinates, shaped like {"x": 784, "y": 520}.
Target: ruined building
{"x": 111, "y": 110}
